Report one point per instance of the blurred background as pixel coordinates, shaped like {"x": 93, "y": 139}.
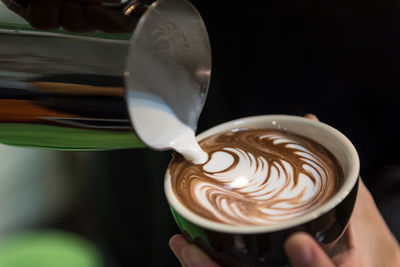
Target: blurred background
{"x": 337, "y": 59}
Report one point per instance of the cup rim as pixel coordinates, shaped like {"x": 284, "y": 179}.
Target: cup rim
{"x": 337, "y": 198}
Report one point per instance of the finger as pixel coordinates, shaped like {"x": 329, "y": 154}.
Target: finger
{"x": 344, "y": 253}
{"x": 350, "y": 236}
{"x": 194, "y": 257}
{"x": 44, "y": 14}
{"x": 177, "y": 243}
{"x": 303, "y": 251}
{"x": 73, "y": 18}
{"x": 311, "y": 116}
{"x": 366, "y": 218}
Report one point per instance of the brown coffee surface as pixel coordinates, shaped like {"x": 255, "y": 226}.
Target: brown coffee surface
{"x": 256, "y": 177}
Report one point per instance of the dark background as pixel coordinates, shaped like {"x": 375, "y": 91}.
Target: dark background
{"x": 337, "y": 59}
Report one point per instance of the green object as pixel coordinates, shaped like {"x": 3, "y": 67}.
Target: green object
{"x": 65, "y": 138}
{"x": 188, "y": 227}
{"x": 47, "y": 248}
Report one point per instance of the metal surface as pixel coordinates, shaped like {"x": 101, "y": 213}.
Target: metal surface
{"x": 170, "y": 58}
{"x": 66, "y": 90}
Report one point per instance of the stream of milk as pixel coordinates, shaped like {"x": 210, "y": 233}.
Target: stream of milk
{"x": 158, "y": 127}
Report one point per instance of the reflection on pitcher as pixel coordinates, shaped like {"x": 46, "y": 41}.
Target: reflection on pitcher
{"x": 67, "y": 66}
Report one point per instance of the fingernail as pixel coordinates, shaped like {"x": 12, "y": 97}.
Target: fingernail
{"x": 311, "y": 116}
{"x": 187, "y": 255}
{"x": 299, "y": 252}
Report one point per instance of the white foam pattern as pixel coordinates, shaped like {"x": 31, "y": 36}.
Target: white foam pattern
{"x": 259, "y": 190}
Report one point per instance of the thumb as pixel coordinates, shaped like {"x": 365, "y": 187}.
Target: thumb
{"x": 304, "y": 251}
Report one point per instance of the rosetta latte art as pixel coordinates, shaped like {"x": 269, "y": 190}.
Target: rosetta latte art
{"x": 256, "y": 177}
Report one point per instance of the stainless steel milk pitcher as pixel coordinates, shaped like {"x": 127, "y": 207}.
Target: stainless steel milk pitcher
{"x": 62, "y": 80}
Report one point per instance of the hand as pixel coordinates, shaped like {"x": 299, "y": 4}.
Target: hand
{"x": 366, "y": 242}
{"x": 75, "y": 15}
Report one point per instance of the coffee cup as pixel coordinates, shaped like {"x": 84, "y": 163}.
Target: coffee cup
{"x": 263, "y": 245}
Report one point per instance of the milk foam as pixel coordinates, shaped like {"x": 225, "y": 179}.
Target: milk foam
{"x": 257, "y": 178}
{"x": 157, "y": 126}
{"x": 250, "y": 176}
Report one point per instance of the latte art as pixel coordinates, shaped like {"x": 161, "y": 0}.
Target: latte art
{"x": 256, "y": 177}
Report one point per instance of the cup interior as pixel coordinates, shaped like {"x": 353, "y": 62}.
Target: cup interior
{"x": 330, "y": 138}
